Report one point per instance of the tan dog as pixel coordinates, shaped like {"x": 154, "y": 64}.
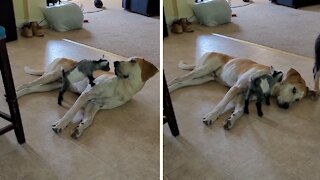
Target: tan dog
{"x": 236, "y": 74}
{"x": 109, "y": 92}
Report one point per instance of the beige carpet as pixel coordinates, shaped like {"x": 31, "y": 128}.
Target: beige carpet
{"x": 119, "y": 31}
{"x": 280, "y": 27}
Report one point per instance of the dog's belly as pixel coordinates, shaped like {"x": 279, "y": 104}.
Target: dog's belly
{"x": 227, "y": 76}
{"x": 80, "y": 86}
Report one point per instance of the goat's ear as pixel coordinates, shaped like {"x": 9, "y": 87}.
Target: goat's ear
{"x": 280, "y": 76}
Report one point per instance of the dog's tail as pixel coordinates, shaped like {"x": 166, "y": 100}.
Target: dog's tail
{"x": 35, "y": 72}
{"x": 185, "y": 66}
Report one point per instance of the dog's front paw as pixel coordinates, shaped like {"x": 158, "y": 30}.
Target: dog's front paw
{"x": 227, "y": 124}
{"x": 59, "y": 126}
{"x": 209, "y": 118}
{"x": 56, "y": 129}
{"x": 76, "y": 134}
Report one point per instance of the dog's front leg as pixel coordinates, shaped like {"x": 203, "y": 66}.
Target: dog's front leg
{"x": 236, "y": 114}
{"x": 90, "y": 110}
{"x": 65, "y": 120}
{"x": 213, "y": 115}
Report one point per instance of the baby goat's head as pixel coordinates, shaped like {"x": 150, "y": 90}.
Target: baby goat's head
{"x": 277, "y": 75}
{"x": 103, "y": 64}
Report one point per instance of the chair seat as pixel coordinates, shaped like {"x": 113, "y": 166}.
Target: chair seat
{"x": 2, "y": 33}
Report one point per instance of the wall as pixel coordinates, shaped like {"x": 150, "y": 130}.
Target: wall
{"x": 175, "y": 9}
{"x": 28, "y": 10}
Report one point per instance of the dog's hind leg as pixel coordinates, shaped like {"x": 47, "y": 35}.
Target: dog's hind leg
{"x": 191, "y": 82}
{"x": 236, "y": 114}
{"x": 39, "y": 88}
{"x": 44, "y": 79}
{"x": 90, "y": 110}
{"x": 196, "y": 73}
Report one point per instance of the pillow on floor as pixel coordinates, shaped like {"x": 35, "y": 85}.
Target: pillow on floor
{"x": 213, "y": 13}
{"x": 64, "y": 17}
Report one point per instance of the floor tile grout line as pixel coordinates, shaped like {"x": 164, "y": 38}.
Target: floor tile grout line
{"x": 93, "y": 48}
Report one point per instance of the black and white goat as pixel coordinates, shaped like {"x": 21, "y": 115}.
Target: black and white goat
{"x": 83, "y": 69}
{"x": 261, "y": 87}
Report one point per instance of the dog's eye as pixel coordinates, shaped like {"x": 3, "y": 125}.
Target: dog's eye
{"x": 294, "y": 90}
{"x": 133, "y": 61}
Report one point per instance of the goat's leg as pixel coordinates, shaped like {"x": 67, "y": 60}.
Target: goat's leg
{"x": 268, "y": 99}
{"x": 63, "y": 89}
{"x": 91, "y": 79}
{"x": 246, "y": 103}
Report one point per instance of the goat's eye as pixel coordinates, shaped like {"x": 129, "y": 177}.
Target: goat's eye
{"x": 132, "y": 61}
{"x": 297, "y": 99}
{"x": 294, "y": 90}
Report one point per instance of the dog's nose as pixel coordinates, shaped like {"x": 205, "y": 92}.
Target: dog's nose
{"x": 116, "y": 63}
{"x": 283, "y": 105}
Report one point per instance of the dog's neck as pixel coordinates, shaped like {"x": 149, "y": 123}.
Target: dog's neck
{"x": 275, "y": 89}
{"x": 132, "y": 84}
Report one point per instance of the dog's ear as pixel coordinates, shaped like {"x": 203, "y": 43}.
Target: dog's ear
{"x": 147, "y": 70}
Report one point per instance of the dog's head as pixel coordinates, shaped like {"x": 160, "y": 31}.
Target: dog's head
{"x": 135, "y": 68}
{"x": 292, "y": 88}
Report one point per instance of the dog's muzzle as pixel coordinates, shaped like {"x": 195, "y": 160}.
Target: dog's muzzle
{"x": 117, "y": 71}
{"x": 283, "y": 105}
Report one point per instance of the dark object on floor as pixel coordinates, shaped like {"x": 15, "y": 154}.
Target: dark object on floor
{"x": 7, "y": 19}
{"x": 14, "y": 118}
{"x": 316, "y": 67}
{"x": 181, "y": 25}
{"x": 86, "y": 21}
{"x": 296, "y": 3}
{"x": 176, "y": 27}
{"x": 246, "y": 0}
{"x": 168, "y": 111}
{"x": 144, "y": 7}
{"x": 165, "y": 27}
{"x": 98, "y": 3}
{"x": 234, "y": 15}
{"x": 53, "y": 2}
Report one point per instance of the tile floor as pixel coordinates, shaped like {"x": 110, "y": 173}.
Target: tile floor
{"x": 122, "y": 143}
{"x": 284, "y": 144}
